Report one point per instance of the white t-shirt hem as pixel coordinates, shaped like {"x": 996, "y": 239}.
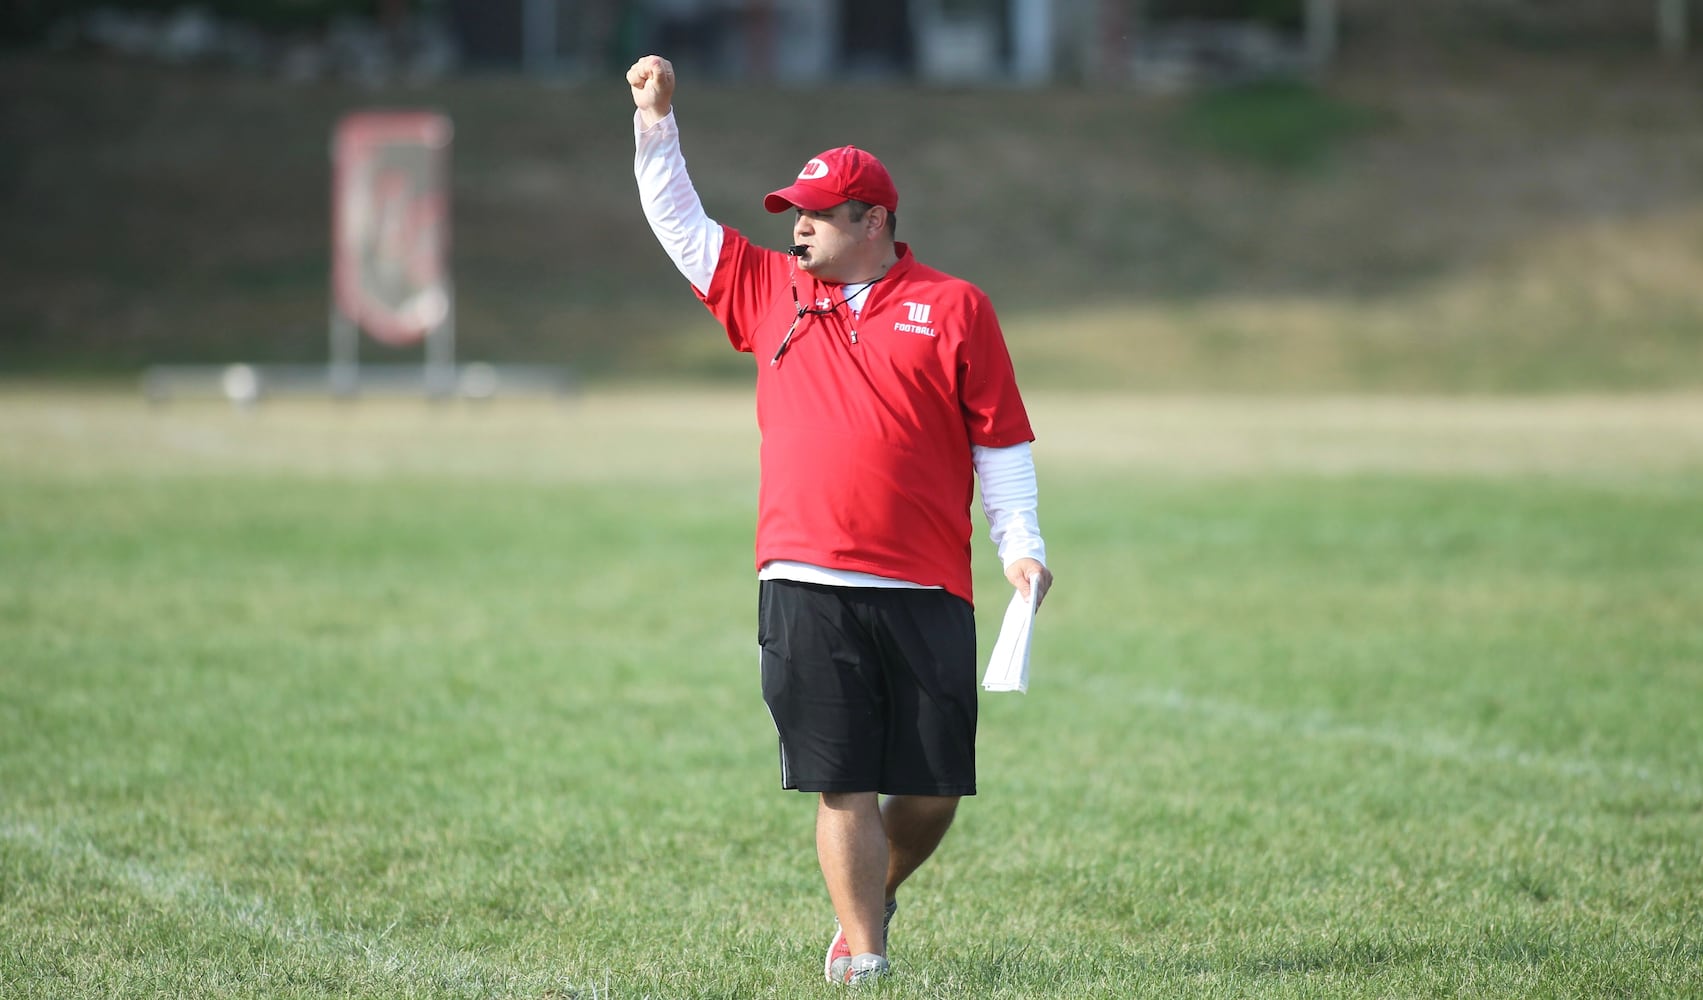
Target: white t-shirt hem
{"x": 801, "y": 572}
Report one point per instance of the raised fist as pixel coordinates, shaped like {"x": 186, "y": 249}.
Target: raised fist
{"x": 652, "y": 80}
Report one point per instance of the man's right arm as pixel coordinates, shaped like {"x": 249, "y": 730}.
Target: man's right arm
{"x": 671, "y": 205}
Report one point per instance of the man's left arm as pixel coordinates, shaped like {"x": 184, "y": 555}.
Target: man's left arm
{"x": 1010, "y": 502}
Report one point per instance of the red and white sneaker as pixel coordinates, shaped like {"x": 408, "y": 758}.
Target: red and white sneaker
{"x": 839, "y": 951}
{"x": 859, "y": 970}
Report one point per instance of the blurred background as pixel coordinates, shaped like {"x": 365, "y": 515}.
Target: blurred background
{"x": 1455, "y": 196}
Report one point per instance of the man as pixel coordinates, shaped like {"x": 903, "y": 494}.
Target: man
{"x": 882, "y": 385}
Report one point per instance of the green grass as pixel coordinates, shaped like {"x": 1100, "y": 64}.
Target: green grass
{"x": 1281, "y": 125}
{"x": 1345, "y": 698}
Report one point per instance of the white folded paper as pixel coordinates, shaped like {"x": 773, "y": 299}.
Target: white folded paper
{"x": 1008, "y": 666}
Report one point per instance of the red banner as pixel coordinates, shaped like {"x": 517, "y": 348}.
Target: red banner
{"x": 390, "y": 223}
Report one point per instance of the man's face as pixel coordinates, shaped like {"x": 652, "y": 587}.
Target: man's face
{"x": 835, "y": 245}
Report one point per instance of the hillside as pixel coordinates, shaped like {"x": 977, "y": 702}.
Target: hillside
{"x": 1529, "y": 223}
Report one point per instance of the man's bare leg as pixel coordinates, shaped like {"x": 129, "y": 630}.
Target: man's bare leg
{"x": 851, "y": 846}
{"x": 915, "y": 825}
{"x": 868, "y": 848}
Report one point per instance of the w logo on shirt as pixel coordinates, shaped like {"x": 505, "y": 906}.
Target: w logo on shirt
{"x": 917, "y": 313}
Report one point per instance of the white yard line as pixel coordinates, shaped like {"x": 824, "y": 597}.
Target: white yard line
{"x": 188, "y": 892}
{"x": 1323, "y": 727}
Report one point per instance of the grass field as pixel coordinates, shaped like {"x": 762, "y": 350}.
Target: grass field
{"x": 1336, "y": 697}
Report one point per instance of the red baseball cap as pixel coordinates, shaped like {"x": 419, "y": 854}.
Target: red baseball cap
{"x": 835, "y": 176}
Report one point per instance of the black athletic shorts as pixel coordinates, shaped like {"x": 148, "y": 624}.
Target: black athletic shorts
{"x": 871, "y": 689}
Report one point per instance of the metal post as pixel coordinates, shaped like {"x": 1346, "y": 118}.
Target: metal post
{"x": 1321, "y": 33}
{"x": 1032, "y": 41}
{"x": 1109, "y": 34}
{"x": 344, "y": 373}
{"x": 1671, "y": 27}
{"x": 440, "y": 351}
{"x": 539, "y": 47}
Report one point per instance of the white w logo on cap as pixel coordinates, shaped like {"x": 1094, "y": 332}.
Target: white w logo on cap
{"x": 812, "y": 170}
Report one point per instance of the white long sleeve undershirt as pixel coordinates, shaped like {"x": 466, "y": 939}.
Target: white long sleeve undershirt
{"x": 693, "y": 240}
{"x": 690, "y": 237}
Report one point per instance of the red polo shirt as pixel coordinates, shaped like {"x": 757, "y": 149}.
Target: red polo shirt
{"x": 867, "y": 422}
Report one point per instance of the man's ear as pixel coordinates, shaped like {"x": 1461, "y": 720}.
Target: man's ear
{"x": 874, "y": 221}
